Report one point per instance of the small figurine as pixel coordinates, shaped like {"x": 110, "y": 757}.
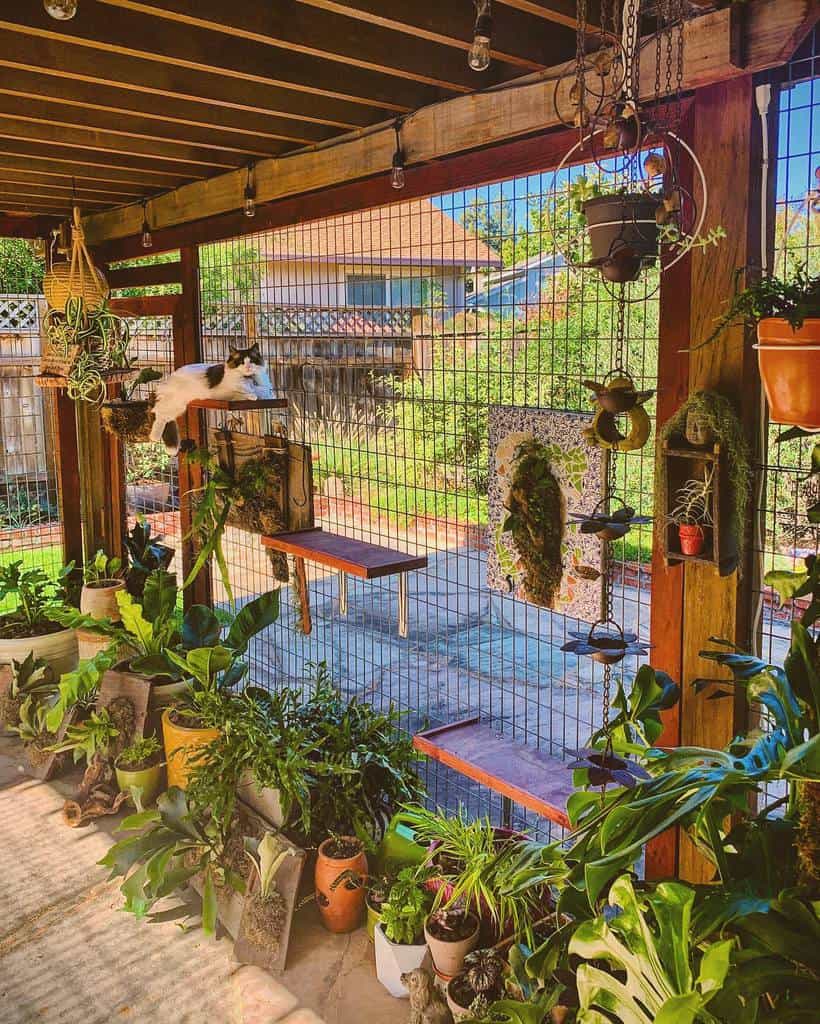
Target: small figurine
{"x": 427, "y": 1005}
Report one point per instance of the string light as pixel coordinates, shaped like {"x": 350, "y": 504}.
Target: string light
{"x": 397, "y": 171}
{"x": 62, "y": 10}
{"x": 147, "y": 240}
{"x": 478, "y": 57}
{"x": 250, "y": 193}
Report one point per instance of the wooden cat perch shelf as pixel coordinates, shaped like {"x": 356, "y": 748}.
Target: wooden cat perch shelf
{"x": 249, "y": 405}
{"x": 347, "y": 555}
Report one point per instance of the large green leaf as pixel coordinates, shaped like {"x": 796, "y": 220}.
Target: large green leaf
{"x": 159, "y": 599}
{"x": 137, "y": 626}
{"x": 209, "y": 904}
{"x": 255, "y": 616}
{"x": 200, "y": 627}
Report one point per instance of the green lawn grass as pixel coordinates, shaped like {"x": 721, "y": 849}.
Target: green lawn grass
{"x": 48, "y": 558}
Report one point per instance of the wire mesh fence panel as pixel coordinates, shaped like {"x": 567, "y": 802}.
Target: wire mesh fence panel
{"x": 151, "y": 486}
{"x": 786, "y": 491}
{"x": 393, "y": 333}
{"x": 30, "y": 527}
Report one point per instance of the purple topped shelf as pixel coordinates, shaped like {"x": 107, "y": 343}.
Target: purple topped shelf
{"x": 369, "y": 561}
{"x": 526, "y": 776}
{"x": 249, "y": 405}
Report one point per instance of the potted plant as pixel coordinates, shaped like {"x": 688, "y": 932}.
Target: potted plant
{"x": 451, "y": 933}
{"x": 148, "y": 477}
{"x": 470, "y": 993}
{"x": 787, "y": 313}
{"x": 341, "y": 904}
{"x": 400, "y": 945}
{"x": 146, "y": 554}
{"x": 140, "y": 769}
{"x": 265, "y": 914}
{"x": 99, "y": 735}
{"x": 33, "y": 628}
{"x": 692, "y": 512}
{"x": 31, "y": 677}
{"x": 102, "y": 578}
{"x": 33, "y": 730}
{"x": 127, "y": 417}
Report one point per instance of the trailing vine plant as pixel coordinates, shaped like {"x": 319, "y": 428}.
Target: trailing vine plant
{"x": 92, "y": 342}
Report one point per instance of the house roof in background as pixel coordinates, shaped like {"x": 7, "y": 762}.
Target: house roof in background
{"x": 409, "y": 234}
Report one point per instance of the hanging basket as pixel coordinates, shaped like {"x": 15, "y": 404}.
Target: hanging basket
{"x": 129, "y": 421}
{"x": 78, "y": 278}
{"x": 623, "y": 234}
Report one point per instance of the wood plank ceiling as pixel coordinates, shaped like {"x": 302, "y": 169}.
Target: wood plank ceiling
{"x": 131, "y": 98}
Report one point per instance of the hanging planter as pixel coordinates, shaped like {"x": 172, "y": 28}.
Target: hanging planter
{"x": 623, "y": 234}
{"x": 130, "y": 418}
{"x": 78, "y": 278}
{"x": 618, "y": 397}
{"x": 789, "y": 360}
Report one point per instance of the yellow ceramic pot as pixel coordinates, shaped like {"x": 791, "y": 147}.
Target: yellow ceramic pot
{"x": 182, "y": 748}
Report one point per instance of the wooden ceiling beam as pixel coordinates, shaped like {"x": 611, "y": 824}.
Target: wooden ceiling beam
{"x": 35, "y": 193}
{"x": 518, "y": 38}
{"x": 86, "y": 160}
{"x": 60, "y": 210}
{"x": 465, "y": 123}
{"x": 70, "y": 185}
{"x": 76, "y": 118}
{"x": 139, "y": 37}
{"x": 142, "y": 106}
{"x": 327, "y": 35}
{"x": 126, "y": 178}
{"x": 165, "y": 81}
{"x": 559, "y": 12}
{"x": 201, "y": 161}
{"x": 22, "y": 226}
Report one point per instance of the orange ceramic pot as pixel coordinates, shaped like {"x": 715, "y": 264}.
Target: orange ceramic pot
{"x": 789, "y": 363}
{"x": 182, "y": 747}
{"x": 341, "y": 907}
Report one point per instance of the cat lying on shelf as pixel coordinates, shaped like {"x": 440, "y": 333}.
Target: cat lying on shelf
{"x": 242, "y": 377}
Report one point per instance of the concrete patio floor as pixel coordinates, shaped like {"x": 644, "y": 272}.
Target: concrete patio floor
{"x": 68, "y": 954}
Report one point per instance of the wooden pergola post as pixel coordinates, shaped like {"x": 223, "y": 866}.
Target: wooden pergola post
{"x": 692, "y": 602}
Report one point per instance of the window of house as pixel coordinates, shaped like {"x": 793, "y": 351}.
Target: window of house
{"x": 415, "y": 291}
{"x": 365, "y": 290}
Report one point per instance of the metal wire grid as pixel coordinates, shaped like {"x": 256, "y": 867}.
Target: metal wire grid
{"x": 151, "y": 487}
{"x": 29, "y": 499}
{"x": 397, "y": 425}
{"x": 787, "y": 538}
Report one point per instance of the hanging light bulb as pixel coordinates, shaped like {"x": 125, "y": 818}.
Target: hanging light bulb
{"x": 478, "y": 57}
{"x": 147, "y": 240}
{"x": 250, "y": 193}
{"x": 62, "y": 10}
{"x": 397, "y": 171}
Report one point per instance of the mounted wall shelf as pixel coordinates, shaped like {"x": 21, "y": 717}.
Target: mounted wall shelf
{"x": 521, "y": 774}
{"x": 249, "y": 405}
{"x": 348, "y": 555}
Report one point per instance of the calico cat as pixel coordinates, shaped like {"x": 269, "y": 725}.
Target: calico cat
{"x": 243, "y": 376}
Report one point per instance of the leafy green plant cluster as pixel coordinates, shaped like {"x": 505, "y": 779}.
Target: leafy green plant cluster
{"x": 405, "y": 909}
{"x": 38, "y": 596}
{"x": 147, "y": 463}
{"x": 89, "y": 739}
{"x": 20, "y": 509}
{"x": 140, "y": 754}
{"x": 101, "y": 568}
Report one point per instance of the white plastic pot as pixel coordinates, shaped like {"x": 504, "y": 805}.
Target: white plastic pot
{"x": 393, "y": 960}
{"x": 266, "y": 802}
{"x": 58, "y": 649}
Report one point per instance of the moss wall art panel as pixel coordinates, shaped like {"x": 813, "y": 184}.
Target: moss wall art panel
{"x": 540, "y": 469}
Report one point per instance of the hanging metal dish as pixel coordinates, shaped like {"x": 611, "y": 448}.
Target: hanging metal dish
{"x": 609, "y": 525}
{"x": 607, "y": 647}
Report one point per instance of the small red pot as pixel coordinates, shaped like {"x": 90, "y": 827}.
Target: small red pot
{"x": 692, "y": 538}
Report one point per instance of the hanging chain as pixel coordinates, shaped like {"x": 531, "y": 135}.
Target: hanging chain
{"x": 580, "y": 66}
{"x": 679, "y": 69}
{"x": 631, "y": 48}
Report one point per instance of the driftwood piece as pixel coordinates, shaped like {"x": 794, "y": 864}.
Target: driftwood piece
{"x": 97, "y": 795}
{"x": 272, "y": 956}
{"x": 135, "y": 688}
{"x": 303, "y": 595}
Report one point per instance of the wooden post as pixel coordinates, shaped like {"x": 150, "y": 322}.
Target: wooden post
{"x": 68, "y": 476}
{"x": 727, "y": 141}
{"x": 188, "y": 349}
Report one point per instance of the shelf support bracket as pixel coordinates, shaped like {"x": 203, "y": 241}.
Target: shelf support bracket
{"x": 342, "y": 593}
{"x": 404, "y": 609}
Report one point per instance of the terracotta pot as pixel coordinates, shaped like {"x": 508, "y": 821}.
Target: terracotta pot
{"x": 789, "y": 363}
{"x": 448, "y": 956}
{"x": 89, "y": 644}
{"x": 149, "y": 780}
{"x": 182, "y": 747}
{"x": 341, "y": 908}
{"x": 58, "y": 649}
{"x": 99, "y": 600}
{"x": 692, "y": 538}
{"x": 458, "y": 1011}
